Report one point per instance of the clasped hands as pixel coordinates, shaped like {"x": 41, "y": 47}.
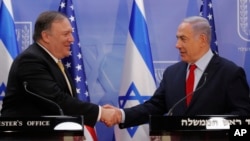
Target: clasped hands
{"x": 110, "y": 115}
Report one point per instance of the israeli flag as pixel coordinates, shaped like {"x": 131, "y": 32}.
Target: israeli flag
{"x": 8, "y": 44}
{"x": 138, "y": 81}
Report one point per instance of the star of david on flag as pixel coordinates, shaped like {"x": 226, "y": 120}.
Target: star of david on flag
{"x": 75, "y": 65}
{"x": 138, "y": 79}
{"x": 132, "y": 95}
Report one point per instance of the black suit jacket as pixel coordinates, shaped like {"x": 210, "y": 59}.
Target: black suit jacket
{"x": 43, "y": 76}
{"x": 225, "y": 92}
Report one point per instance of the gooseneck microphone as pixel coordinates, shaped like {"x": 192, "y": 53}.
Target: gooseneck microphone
{"x": 25, "y": 84}
{"x": 170, "y": 112}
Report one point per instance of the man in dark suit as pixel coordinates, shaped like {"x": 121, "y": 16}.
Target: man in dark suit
{"x": 36, "y": 72}
{"x": 220, "y": 86}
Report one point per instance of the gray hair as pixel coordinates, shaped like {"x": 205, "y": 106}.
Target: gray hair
{"x": 200, "y": 26}
{"x": 44, "y": 22}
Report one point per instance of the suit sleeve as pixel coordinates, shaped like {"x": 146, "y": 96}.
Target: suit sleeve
{"x": 45, "y": 79}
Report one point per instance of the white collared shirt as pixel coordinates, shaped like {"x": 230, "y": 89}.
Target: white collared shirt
{"x": 201, "y": 66}
{"x": 52, "y": 56}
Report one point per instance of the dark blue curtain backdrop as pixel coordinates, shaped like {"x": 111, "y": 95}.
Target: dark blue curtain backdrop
{"x": 103, "y": 28}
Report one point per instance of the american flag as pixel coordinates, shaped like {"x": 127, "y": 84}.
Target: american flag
{"x": 206, "y": 11}
{"x": 75, "y": 65}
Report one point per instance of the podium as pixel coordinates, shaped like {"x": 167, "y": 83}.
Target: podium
{"x": 44, "y": 128}
{"x": 208, "y": 128}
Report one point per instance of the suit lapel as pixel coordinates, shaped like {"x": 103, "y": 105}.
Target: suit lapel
{"x": 62, "y": 80}
{"x": 56, "y": 72}
{"x": 180, "y": 93}
{"x": 205, "y": 80}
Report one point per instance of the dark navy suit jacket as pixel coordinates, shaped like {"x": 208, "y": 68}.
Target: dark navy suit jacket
{"x": 225, "y": 91}
{"x": 36, "y": 67}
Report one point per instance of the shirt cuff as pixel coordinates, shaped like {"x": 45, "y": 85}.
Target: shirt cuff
{"x": 99, "y": 114}
{"x": 123, "y": 116}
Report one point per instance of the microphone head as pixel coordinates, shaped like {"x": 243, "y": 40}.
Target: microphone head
{"x": 25, "y": 83}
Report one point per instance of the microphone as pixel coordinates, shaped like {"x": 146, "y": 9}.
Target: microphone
{"x": 170, "y": 112}
{"x": 25, "y": 84}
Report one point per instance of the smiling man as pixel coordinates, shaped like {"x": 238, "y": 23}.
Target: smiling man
{"x": 219, "y": 86}
{"x": 39, "y": 85}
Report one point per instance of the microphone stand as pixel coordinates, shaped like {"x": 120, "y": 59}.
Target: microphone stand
{"x": 25, "y": 84}
{"x": 170, "y": 112}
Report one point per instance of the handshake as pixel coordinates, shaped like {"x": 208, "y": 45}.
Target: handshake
{"x": 110, "y": 115}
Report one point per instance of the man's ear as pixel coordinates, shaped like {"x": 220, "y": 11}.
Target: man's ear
{"x": 203, "y": 39}
{"x": 45, "y": 36}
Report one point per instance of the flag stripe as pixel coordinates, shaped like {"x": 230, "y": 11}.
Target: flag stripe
{"x": 92, "y": 133}
{"x": 7, "y": 28}
{"x": 139, "y": 35}
{"x": 8, "y": 44}
{"x": 141, "y": 76}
